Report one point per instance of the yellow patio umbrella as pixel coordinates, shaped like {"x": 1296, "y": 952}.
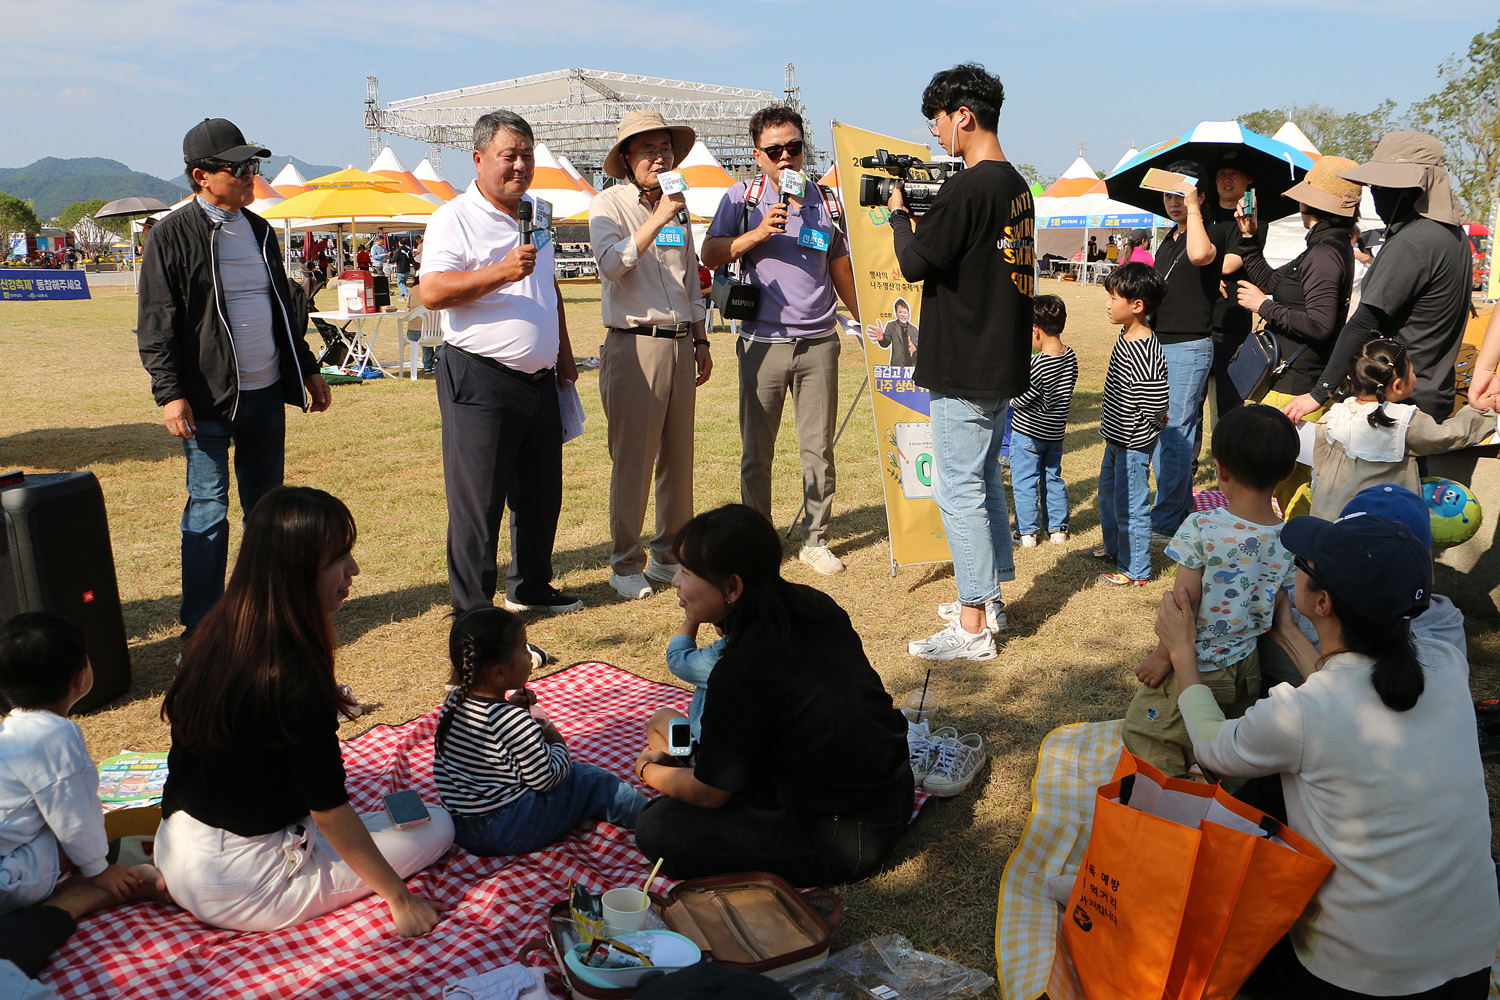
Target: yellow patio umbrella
{"x": 366, "y": 199}
{"x": 351, "y": 176}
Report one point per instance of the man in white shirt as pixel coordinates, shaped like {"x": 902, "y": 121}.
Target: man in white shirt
{"x": 504, "y": 357}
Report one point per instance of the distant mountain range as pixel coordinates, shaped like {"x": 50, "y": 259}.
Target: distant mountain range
{"x": 52, "y": 184}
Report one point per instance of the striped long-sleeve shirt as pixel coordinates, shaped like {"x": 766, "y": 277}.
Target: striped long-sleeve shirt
{"x": 1042, "y": 410}
{"x": 492, "y": 755}
{"x": 1135, "y": 393}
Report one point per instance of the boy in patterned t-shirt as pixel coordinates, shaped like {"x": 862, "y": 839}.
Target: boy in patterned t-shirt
{"x": 1232, "y": 564}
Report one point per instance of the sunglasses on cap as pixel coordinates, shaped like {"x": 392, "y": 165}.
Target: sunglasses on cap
{"x": 774, "y": 152}
{"x": 240, "y": 170}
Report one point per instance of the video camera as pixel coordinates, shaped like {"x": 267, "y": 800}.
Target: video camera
{"x": 921, "y": 180}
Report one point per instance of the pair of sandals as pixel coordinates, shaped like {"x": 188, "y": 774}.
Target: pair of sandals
{"x": 1116, "y": 579}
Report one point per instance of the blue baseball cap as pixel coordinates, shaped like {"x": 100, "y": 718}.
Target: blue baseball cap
{"x": 1397, "y": 503}
{"x": 1374, "y": 565}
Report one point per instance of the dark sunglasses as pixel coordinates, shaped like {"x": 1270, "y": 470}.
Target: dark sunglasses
{"x": 240, "y": 170}
{"x": 1307, "y": 568}
{"x": 774, "y": 152}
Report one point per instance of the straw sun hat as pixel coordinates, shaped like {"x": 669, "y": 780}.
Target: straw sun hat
{"x": 642, "y": 120}
{"x": 1325, "y": 190}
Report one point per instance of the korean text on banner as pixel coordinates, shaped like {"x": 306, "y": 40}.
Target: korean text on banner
{"x": 903, "y": 427}
{"x": 31, "y": 285}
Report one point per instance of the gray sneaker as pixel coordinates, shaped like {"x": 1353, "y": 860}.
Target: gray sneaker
{"x": 953, "y": 643}
{"x": 820, "y": 558}
{"x": 994, "y": 614}
{"x": 657, "y": 573}
{"x": 955, "y": 762}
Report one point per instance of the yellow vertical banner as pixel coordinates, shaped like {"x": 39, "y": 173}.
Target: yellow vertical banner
{"x": 903, "y": 427}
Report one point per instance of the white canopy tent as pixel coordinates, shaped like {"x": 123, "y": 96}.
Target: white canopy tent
{"x": 1286, "y": 238}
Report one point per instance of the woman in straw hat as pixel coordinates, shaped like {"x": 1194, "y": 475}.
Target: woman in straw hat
{"x": 1306, "y": 302}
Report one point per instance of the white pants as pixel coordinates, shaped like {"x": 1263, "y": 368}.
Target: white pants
{"x": 280, "y": 879}
{"x": 29, "y": 873}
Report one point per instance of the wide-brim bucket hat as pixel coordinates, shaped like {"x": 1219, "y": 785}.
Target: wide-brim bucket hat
{"x": 1324, "y": 189}
{"x": 1413, "y": 160}
{"x": 645, "y": 120}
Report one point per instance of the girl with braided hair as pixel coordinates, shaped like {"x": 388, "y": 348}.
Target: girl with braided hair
{"x": 502, "y": 767}
{"x": 1371, "y": 437}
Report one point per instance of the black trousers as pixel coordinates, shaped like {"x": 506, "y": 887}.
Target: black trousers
{"x": 29, "y": 936}
{"x": 1281, "y": 975}
{"x": 741, "y": 837}
{"x": 502, "y": 446}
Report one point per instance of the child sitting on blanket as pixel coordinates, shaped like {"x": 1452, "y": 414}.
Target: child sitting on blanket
{"x": 502, "y": 767}
{"x": 51, "y": 822}
{"x": 688, "y": 662}
{"x": 1232, "y": 562}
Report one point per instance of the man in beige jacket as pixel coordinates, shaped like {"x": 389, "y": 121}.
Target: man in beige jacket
{"x": 655, "y": 353}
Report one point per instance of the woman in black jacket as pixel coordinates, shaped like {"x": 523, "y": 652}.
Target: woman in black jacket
{"x": 802, "y": 766}
{"x": 1304, "y": 303}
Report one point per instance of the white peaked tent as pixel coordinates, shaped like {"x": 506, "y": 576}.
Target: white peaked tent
{"x": 1130, "y": 154}
{"x": 289, "y": 181}
{"x": 1286, "y": 238}
{"x": 549, "y": 180}
{"x": 433, "y": 181}
{"x": 1076, "y": 180}
{"x": 388, "y": 164}
{"x": 1064, "y": 221}
{"x": 266, "y": 195}
{"x": 572, "y": 172}
{"x": 707, "y": 181}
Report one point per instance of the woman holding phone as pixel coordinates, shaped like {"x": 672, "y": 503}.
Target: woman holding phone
{"x": 257, "y": 831}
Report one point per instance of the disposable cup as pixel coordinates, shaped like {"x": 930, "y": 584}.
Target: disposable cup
{"x": 624, "y": 910}
{"x": 919, "y": 709}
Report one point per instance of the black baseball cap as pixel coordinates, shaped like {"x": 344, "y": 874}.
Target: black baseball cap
{"x": 218, "y": 139}
{"x": 1378, "y": 567}
{"x": 707, "y": 981}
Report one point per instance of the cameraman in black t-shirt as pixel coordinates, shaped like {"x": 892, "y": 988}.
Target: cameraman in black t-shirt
{"x": 974, "y": 255}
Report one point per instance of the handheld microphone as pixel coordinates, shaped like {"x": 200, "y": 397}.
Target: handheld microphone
{"x": 523, "y": 216}
{"x": 793, "y": 184}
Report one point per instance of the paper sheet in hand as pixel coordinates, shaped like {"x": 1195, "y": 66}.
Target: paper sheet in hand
{"x": 1165, "y": 181}
{"x": 571, "y": 408}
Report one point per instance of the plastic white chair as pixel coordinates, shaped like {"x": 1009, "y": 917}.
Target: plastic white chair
{"x": 432, "y": 335}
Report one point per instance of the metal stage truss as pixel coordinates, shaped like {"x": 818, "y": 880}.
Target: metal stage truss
{"x": 575, "y": 111}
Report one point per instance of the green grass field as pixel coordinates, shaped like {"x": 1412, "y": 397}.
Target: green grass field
{"x": 73, "y": 395}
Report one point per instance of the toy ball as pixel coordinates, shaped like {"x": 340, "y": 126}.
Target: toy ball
{"x": 1454, "y": 510}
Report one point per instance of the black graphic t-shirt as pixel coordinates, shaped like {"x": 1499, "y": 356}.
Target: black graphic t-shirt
{"x": 973, "y": 252}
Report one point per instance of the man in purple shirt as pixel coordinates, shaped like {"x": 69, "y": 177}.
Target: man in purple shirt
{"x": 794, "y": 250}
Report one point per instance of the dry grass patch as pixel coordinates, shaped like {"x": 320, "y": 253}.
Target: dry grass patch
{"x": 73, "y": 396}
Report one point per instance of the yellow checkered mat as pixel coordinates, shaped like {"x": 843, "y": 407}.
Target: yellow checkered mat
{"x": 1072, "y": 763}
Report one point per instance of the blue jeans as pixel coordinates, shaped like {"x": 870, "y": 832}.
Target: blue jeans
{"x": 1187, "y": 384}
{"x": 258, "y": 432}
{"x": 401, "y": 282}
{"x": 969, "y": 488}
{"x": 1125, "y": 508}
{"x": 1037, "y": 465}
{"x": 537, "y": 819}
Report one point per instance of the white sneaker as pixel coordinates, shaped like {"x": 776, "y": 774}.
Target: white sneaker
{"x": 921, "y": 748}
{"x": 634, "y": 587}
{"x": 994, "y": 614}
{"x": 821, "y": 559}
{"x": 658, "y": 573}
{"x": 953, "y": 643}
{"x": 955, "y": 762}
{"x": 1028, "y": 541}
{"x": 1058, "y": 537}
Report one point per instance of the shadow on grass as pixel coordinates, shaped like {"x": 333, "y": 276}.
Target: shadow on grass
{"x": 70, "y": 448}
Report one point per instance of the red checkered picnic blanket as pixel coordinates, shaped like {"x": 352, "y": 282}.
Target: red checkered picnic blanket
{"x": 500, "y": 904}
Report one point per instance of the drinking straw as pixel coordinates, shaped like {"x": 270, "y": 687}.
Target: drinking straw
{"x": 923, "y": 699}
{"x": 645, "y": 889}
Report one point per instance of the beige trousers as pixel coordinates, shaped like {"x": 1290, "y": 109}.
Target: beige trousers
{"x": 647, "y": 387}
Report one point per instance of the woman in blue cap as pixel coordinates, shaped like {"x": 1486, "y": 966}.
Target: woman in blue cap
{"x": 1380, "y": 767}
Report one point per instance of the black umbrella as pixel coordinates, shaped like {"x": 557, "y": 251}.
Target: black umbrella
{"x": 1272, "y": 165}
{"x": 129, "y": 206}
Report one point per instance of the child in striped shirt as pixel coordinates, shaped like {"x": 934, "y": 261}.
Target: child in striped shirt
{"x": 1133, "y": 414}
{"x": 1039, "y": 419}
{"x": 502, "y": 767}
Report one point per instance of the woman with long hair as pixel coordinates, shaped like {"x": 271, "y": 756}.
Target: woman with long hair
{"x": 801, "y": 768}
{"x": 257, "y": 831}
{"x": 1379, "y": 765}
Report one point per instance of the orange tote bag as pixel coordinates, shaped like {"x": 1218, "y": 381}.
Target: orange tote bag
{"x": 1183, "y": 889}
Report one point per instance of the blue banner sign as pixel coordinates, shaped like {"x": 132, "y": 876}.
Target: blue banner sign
{"x": 28, "y": 284}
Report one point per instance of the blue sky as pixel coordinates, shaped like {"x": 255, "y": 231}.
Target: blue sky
{"x": 126, "y": 80}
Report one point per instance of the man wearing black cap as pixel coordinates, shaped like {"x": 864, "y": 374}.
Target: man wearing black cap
{"x": 222, "y": 337}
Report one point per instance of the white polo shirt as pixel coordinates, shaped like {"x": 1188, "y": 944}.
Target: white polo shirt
{"x": 517, "y": 323}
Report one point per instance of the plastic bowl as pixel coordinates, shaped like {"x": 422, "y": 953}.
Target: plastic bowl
{"x": 670, "y": 951}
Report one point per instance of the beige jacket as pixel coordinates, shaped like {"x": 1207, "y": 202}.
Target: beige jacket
{"x": 658, "y": 288}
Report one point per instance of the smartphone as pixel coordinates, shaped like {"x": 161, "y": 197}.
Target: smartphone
{"x": 406, "y": 809}
{"x": 1247, "y": 203}
{"x": 679, "y": 738}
